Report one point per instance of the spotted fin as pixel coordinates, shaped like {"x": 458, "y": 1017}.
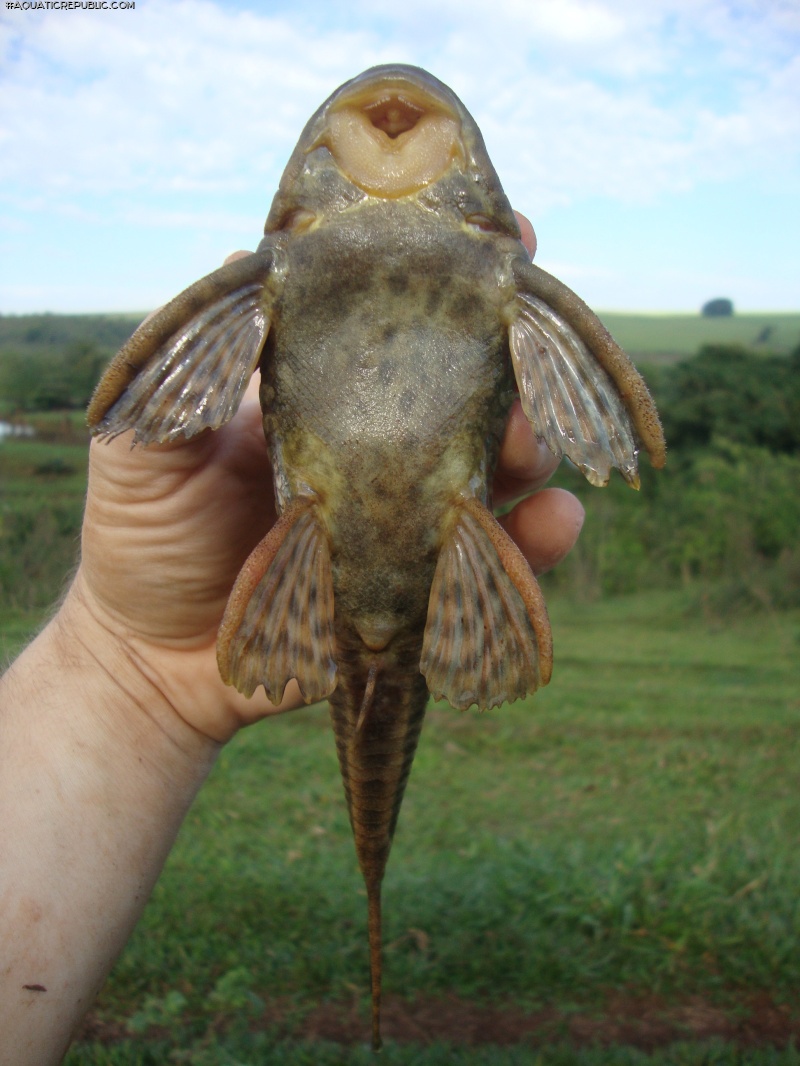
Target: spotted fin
{"x": 579, "y": 390}
{"x": 186, "y": 368}
{"x": 487, "y": 637}
{"x": 279, "y": 620}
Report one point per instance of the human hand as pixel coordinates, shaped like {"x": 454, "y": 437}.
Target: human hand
{"x": 545, "y": 523}
{"x": 167, "y": 529}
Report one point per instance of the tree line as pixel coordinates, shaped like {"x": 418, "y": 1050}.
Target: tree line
{"x": 724, "y": 512}
{"x": 52, "y": 362}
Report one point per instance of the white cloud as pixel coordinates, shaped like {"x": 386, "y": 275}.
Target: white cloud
{"x": 576, "y": 96}
{"x": 181, "y": 114}
{"x": 173, "y": 90}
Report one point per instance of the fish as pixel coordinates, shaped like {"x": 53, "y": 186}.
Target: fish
{"x": 394, "y": 315}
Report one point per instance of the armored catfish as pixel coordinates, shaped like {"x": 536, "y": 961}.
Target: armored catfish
{"x": 392, "y": 312}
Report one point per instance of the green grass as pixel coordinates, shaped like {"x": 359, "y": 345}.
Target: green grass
{"x": 42, "y": 491}
{"x": 632, "y": 831}
{"x": 667, "y": 338}
{"x": 267, "y": 1050}
{"x": 37, "y": 472}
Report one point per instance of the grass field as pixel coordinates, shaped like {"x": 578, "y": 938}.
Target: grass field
{"x": 42, "y": 489}
{"x": 617, "y": 858}
{"x": 606, "y": 874}
{"x": 667, "y": 338}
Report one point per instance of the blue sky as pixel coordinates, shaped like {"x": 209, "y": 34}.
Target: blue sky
{"x": 655, "y": 147}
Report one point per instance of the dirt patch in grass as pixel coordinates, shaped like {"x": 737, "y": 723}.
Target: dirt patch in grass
{"x": 646, "y": 1023}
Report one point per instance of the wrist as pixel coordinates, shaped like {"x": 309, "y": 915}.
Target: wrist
{"x": 115, "y": 688}
{"x": 97, "y": 772}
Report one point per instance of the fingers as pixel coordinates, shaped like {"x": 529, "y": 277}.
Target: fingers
{"x": 242, "y": 254}
{"x": 545, "y": 527}
{"x": 527, "y": 233}
{"x": 524, "y": 463}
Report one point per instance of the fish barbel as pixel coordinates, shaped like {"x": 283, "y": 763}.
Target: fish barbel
{"x": 392, "y": 310}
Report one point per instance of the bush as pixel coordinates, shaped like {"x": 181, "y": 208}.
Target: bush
{"x": 52, "y": 381}
{"x": 728, "y": 392}
{"x": 723, "y": 514}
{"x": 720, "y": 307}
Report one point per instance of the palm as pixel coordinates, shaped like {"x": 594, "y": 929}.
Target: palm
{"x": 166, "y": 532}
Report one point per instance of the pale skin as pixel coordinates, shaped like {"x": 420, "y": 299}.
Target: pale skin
{"x": 111, "y": 720}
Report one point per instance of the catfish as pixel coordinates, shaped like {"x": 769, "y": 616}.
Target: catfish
{"x": 394, "y": 314}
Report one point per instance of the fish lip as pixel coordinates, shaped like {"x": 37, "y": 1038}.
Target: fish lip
{"x": 391, "y": 130}
{"x": 331, "y": 180}
{"x": 412, "y": 84}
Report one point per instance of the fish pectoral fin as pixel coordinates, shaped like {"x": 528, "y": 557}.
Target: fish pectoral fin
{"x": 186, "y": 368}
{"x": 487, "y": 638}
{"x": 579, "y": 390}
{"x": 279, "y": 620}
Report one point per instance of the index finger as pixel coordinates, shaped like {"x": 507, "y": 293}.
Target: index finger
{"x": 525, "y": 463}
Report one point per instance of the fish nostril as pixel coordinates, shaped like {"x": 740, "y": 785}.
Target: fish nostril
{"x": 393, "y": 116}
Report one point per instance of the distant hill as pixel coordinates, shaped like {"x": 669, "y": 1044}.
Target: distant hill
{"x": 49, "y": 333}
{"x": 669, "y": 338}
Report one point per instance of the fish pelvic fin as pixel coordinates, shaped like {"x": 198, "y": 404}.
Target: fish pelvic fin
{"x": 279, "y": 620}
{"x": 580, "y": 392}
{"x": 186, "y": 368}
{"x": 487, "y": 637}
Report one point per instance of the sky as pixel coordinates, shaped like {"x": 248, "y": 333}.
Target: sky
{"x": 654, "y": 145}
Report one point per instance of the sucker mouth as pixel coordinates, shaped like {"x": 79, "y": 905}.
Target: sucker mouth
{"x": 393, "y": 115}
{"x": 392, "y": 141}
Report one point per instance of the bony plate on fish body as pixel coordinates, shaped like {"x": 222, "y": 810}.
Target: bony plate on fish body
{"x": 392, "y": 311}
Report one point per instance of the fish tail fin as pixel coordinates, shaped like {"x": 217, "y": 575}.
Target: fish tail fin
{"x": 375, "y": 958}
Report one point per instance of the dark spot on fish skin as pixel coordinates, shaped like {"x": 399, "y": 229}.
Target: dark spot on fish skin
{"x": 397, "y": 282}
{"x": 433, "y": 300}
{"x": 461, "y": 306}
{"x": 35, "y": 988}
